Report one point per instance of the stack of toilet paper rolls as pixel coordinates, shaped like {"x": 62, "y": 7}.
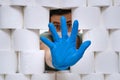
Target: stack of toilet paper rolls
{"x": 21, "y": 22}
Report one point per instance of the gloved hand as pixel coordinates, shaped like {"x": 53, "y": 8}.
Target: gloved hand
{"x": 63, "y": 50}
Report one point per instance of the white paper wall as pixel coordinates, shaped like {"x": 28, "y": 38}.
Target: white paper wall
{"x": 22, "y": 20}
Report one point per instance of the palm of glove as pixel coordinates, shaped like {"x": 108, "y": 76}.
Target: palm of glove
{"x": 63, "y": 50}
{"x": 63, "y": 53}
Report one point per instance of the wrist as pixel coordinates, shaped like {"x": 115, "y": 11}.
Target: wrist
{"x": 60, "y": 67}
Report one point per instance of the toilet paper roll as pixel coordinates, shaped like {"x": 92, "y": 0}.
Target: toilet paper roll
{"x": 11, "y": 17}
{"x": 17, "y": 76}
{"x": 62, "y": 3}
{"x": 49, "y": 3}
{"x": 119, "y": 62}
{"x": 36, "y": 17}
{"x": 111, "y": 17}
{"x": 19, "y": 2}
{"x": 32, "y": 62}
{"x": 68, "y": 76}
{"x": 1, "y": 77}
{"x": 22, "y": 2}
{"x": 88, "y": 17}
{"x": 94, "y": 76}
{"x": 5, "y": 40}
{"x": 112, "y": 77}
{"x": 116, "y": 2}
{"x": 115, "y": 39}
{"x": 85, "y": 65}
{"x": 106, "y": 62}
{"x": 8, "y": 62}
{"x": 24, "y": 39}
{"x": 44, "y": 76}
{"x": 72, "y": 3}
{"x": 99, "y": 3}
{"x": 4, "y": 2}
{"x": 99, "y": 39}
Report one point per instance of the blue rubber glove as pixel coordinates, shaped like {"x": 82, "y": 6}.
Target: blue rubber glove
{"x": 63, "y": 50}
